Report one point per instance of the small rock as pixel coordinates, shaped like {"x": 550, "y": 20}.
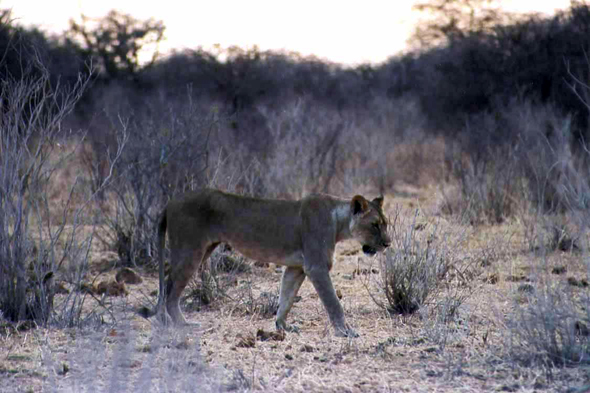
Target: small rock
{"x": 248, "y": 341}
{"x": 526, "y": 288}
{"x": 517, "y": 278}
{"x": 126, "y": 275}
{"x": 111, "y": 288}
{"x": 288, "y": 356}
{"x": 583, "y": 283}
{"x": 307, "y": 348}
{"x": 339, "y": 294}
{"x": 278, "y": 335}
{"x": 491, "y": 279}
{"x": 61, "y": 289}
{"x": 559, "y": 270}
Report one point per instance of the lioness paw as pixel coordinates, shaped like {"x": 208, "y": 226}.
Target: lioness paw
{"x": 281, "y": 325}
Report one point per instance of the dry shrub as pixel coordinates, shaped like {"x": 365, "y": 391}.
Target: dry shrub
{"x": 419, "y": 163}
{"x": 304, "y": 155}
{"x": 553, "y": 232}
{"x": 32, "y": 246}
{"x": 485, "y": 190}
{"x": 562, "y": 237}
{"x": 418, "y": 268}
{"x": 201, "y": 292}
{"x": 550, "y": 325}
{"x": 516, "y": 156}
{"x": 166, "y": 153}
{"x": 315, "y": 148}
{"x": 217, "y": 279}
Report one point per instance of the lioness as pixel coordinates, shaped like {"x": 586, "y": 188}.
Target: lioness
{"x": 300, "y": 235}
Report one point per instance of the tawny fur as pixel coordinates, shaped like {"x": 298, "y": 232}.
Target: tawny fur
{"x": 300, "y": 235}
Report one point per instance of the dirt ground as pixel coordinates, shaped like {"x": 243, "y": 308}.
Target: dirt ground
{"x": 225, "y": 350}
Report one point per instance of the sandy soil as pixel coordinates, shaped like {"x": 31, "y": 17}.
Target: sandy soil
{"x": 221, "y": 352}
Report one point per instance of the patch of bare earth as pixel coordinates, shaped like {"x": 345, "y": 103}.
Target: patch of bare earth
{"x": 232, "y": 349}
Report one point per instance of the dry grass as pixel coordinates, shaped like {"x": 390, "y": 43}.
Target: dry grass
{"x": 416, "y": 353}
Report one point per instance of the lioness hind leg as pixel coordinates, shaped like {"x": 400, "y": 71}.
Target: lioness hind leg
{"x": 292, "y": 279}
{"x": 185, "y": 263}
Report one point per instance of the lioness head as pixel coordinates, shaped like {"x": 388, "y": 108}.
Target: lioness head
{"x": 368, "y": 224}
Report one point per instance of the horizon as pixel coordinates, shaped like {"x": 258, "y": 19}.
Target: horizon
{"x": 338, "y": 32}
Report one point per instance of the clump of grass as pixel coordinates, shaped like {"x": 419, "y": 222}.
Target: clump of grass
{"x": 214, "y": 281}
{"x": 202, "y": 292}
{"x": 227, "y": 262}
{"x": 550, "y": 327}
{"x": 267, "y": 304}
{"x": 422, "y": 274}
{"x": 553, "y": 232}
{"x": 415, "y": 269}
{"x": 561, "y": 237}
{"x": 251, "y": 302}
{"x": 495, "y": 176}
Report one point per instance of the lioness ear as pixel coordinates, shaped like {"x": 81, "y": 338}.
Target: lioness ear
{"x": 379, "y": 201}
{"x": 359, "y": 204}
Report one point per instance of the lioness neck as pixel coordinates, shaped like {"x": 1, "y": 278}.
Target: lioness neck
{"x": 342, "y": 216}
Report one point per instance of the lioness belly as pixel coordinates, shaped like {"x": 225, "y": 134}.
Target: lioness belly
{"x": 278, "y": 257}
{"x": 293, "y": 259}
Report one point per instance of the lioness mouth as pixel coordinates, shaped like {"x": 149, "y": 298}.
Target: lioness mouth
{"x": 369, "y": 250}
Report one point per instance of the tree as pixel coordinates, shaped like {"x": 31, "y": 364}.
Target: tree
{"x": 448, "y": 20}
{"x": 116, "y": 41}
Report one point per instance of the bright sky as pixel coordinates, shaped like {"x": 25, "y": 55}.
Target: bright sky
{"x": 342, "y": 31}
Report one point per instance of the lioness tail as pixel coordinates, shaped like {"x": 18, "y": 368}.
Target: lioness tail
{"x": 162, "y": 225}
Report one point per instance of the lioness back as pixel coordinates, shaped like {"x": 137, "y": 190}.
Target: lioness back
{"x": 261, "y": 229}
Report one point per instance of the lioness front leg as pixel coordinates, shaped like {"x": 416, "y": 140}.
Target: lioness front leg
{"x": 320, "y": 278}
{"x": 292, "y": 279}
